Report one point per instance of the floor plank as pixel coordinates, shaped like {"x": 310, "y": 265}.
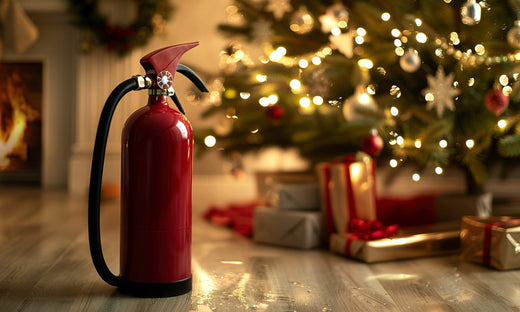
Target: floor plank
{"x": 45, "y": 266}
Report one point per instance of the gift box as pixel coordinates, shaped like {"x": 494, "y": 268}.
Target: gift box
{"x": 348, "y": 191}
{"x": 493, "y": 241}
{"x": 413, "y": 242}
{"x": 265, "y": 180}
{"x": 294, "y": 196}
{"x": 430, "y": 209}
{"x": 296, "y": 229}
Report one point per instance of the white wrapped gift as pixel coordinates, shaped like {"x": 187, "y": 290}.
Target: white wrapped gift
{"x": 298, "y": 229}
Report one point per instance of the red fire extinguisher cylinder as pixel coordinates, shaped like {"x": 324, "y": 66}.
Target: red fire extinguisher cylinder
{"x": 157, "y": 148}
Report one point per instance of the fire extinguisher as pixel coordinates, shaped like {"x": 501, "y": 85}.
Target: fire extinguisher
{"x": 156, "y": 177}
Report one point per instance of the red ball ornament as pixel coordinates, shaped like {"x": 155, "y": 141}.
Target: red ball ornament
{"x": 496, "y": 101}
{"x": 274, "y": 112}
{"x": 372, "y": 144}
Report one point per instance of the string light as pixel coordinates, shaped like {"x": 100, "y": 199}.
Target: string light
{"x": 399, "y": 140}
{"x": 438, "y": 170}
{"x": 480, "y": 49}
{"x": 507, "y": 90}
{"x": 318, "y": 100}
{"x": 365, "y": 63}
{"x": 316, "y": 60}
{"x": 454, "y": 38}
{"x": 303, "y": 63}
{"x": 230, "y": 93}
{"x": 395, "y": 33}
{"x": 277, "y": 54}
{"x": 418, "y": 143}
{"x": 385, "y": 16}
{"x": 416, "y": 177}
{"x": 443, "y": 143}
{"x": 429, "y": 97}
{"x": 245, "y": 95}
{"x": 502, "y": 123}
{"x": 394, "y": 111}
{"x": 210, "y": 141}
{"x": 504, "y": 80}
{"x": 359, "y": 39}
{"x": 263, "y": 101}
{"x": 361, "y": 31}
{"x": 335, "y": 31}
{"x": 418, "y": 22}
{"x": 471, "y": 82}
{"x": 470, "y": 143}
{"x": 399, "y": 51}
{"x": 273, "y": 99}
{"x": 261, "y": 78}
{"x": 421, "y": 37}
{"x": 295, "y": 84}
{"x": 305, "y": 102}
{"x": 393, "y": 163}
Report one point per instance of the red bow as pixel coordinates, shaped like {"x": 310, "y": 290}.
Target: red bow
{"x": 371, "y": 230}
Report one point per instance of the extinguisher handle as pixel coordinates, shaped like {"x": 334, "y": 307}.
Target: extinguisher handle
{"x": 194, "y": 78}
{"x": 96, "y": 174}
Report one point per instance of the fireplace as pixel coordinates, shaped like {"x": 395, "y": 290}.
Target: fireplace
{"x": 20, "y": 122}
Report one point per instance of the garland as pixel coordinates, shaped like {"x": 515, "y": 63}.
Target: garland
{"x": 152, "y": 14}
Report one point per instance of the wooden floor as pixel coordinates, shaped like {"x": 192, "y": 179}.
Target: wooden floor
{"x": 45, "y": 266}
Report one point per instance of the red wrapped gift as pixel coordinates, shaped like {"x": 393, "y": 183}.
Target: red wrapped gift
{"x": 348, "y": 191}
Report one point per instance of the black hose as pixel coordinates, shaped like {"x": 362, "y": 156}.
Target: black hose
{"x": 96, "y": 174}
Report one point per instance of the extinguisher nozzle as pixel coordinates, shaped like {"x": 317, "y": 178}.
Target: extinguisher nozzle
{"x": 175, "y": 100}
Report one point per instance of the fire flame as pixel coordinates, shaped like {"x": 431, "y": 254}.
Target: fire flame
{"x": 15, "y": 112}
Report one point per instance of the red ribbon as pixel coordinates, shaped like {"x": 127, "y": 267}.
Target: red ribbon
{"x": 238, "y": 216}
{"x": 367, "y": 231}
{"x": 487, "y": 244}
{"x": 351, "y": 202}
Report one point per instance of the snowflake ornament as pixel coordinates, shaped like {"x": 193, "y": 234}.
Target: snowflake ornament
{"x": 279, "y": 8}
{"x": 440, "y": 92}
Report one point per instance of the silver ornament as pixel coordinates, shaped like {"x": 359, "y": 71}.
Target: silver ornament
{"x": 513, "y": 35}
{"x": 410, "y": 61}
{"x": 360, "y": 106}
{"x": 471, "y": 13}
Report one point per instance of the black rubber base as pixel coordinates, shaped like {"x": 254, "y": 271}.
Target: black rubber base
{"x": 156, "y": 290}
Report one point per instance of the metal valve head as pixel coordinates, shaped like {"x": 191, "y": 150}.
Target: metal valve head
{"x": 161, "y": 65}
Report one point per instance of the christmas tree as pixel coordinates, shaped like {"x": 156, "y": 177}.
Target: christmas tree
{"x": 434, "y": 81}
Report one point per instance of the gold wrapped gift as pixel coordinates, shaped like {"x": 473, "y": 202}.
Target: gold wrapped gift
{"x": 492, "y": 241}
{"x": 413, "y": 242}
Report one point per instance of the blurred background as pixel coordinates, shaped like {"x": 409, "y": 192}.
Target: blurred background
{"x": 69, "y": 65}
